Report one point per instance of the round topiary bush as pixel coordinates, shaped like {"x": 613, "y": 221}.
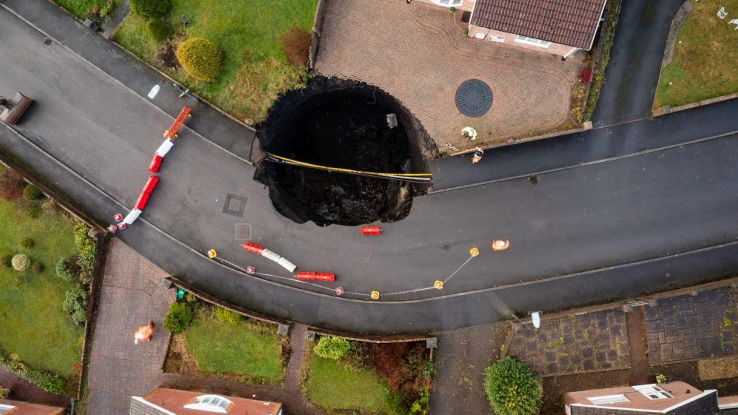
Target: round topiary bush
{"x": 150, "y": 8}
{"x": 7, "y": 261}
{"x": 27, "y": 243}
{"x": 512, "y": 388}
{"x": 178, "y": 317}
{"x": 330, "y": 347}
{"x": 20, "y": 262}
{"x": 226, "y": 315}
{"x": 201, "y": 58}
{"x": 32, "y": 192}
{"x": 158, "y": 29}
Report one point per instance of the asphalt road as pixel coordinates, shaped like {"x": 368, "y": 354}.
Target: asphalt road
{"x": 587, "y": 232}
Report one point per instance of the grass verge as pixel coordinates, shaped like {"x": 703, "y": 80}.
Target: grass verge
{"x": 255, "y": 67}
{"x": 706, "y": 50}
{"x": 82, "y": 8}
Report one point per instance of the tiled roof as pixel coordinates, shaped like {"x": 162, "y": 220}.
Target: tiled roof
{"x": 568, "y": 22}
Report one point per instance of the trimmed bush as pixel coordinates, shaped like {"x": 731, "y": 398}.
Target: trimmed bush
{"x": 201, "y": 58}
{"x": 150, "y": 8}
{"x": 31, "y": 192}
{"x": 226, "y": 315}
{"x": 27, "y": 243}
{"x": 512, "y": 388}
{"x": 296, "y": 45}
{"x": 158, "y": 29}
{"x": 178, "y": 318}
{"x": 20, "y": 262}
{"x": 66, "y": 269}
{"x": 7, "y": 261}
{"x": 330, "y": 347}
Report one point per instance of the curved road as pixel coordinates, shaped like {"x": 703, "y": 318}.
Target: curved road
{"x": 616, "y": 212}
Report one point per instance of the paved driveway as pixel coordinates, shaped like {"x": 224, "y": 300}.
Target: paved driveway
{"x": 420, "y": 56}
{"x": 132, "y": 294}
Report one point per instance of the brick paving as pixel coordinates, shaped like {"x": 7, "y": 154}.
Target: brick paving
{"x": 418, "y": 54}
{"x": 691, "y": 327}
{"x": 132, "y": 294}
{"x": 583, "y": 343}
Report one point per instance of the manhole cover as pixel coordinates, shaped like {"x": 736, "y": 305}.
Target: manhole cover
{"x": 473, "y": 98}
{"x": 234, "y": 205}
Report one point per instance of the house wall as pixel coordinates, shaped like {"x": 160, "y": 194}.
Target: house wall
{"x": 466, "y": 5}
{"x": 491, "y": 35}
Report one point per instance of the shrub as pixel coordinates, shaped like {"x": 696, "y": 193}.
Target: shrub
{"x": 296, "y": 45}
{"x": 20, "y": 262}
{"x": 330, "y": 347}
{"x": 27, "y": 243}
{"x": 512, "y": 388}
{"x": 75, "y": 304}
{"x": 66, "y": 269}
{"x": 37, "y": 267}
{"x": 4, "y": 393}
{"x": 201, "y": 58}
{"x": 226, "y": 315}
{"x": 31, "y": 192}
{"x": 420, "y": 406}
{"x": 150, "y": 8}
{"x": 47, "y": 381}
{"x": 179, "y": 317}
{"x": 7, "y": 261}
{"x": 49, "y": 205}
{"x": 82, "y": 241}
{"x": 158, "y": 29}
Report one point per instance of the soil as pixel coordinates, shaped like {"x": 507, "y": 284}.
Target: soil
{"x": 688, "y": 372}
{"x": 167, "y": 56}
{"x": 339, "y": 124}
{"x": 11, "y": 184}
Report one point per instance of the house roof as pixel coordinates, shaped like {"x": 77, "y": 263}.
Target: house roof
{"x": 25, "y": 408}
{"x": 164, "y": 401}
{"x": 684, "y": 400}
{"x": 568, "y": 22}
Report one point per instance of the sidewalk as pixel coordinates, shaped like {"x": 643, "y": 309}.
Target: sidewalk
{"x": 132, "y": 294}
{"x": 129, "y": 71}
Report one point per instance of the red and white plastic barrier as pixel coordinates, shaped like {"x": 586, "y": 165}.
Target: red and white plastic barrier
{"x": 161, "y": 152}
{"x": 143, "y": 199}
{"x": 260, "y": 250}
{"x": 173, "y": 131}
{"x": 315, "y": 276}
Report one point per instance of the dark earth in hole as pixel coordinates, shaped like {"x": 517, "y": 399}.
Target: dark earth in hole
{"x": 339, "y": 127}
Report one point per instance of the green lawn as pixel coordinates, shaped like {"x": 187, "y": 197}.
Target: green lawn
{"x": 34, "y": 325}
{"x": 245, "y": 349}
{"x": 334, "y": 388}
{"x": 704, "y": 64}
{"x": 81, "y": 8}
{"x": 255, "y": 68}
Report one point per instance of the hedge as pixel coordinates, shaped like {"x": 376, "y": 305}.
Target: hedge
{"x": 200, "y": 58}
{"x": 45, "y": 380}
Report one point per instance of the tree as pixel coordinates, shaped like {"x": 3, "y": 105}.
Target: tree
{"x": 512, "y": 388}
{"x": 201, "y": 58}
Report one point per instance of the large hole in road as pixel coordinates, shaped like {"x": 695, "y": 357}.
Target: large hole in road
{"x": 342, "y": 124}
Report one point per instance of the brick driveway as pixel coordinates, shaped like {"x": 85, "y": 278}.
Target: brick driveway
{"x": 582, "y": 343}
{"x": 132, "y": 294}
{"x": 419, "y": 54}
{"x": 689, "y": 327}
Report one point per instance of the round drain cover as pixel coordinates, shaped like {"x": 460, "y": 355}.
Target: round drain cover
{"x": 473, "y": 98}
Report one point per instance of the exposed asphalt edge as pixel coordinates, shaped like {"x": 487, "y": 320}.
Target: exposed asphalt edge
{"x": 676, "y": 24}
{"x": 38, "y": 29}
{"x": 585, "y": 164}
{"x": 379, "y": 303}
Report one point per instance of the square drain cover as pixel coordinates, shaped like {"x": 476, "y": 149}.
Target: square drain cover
{"x": 234, "y": 205}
